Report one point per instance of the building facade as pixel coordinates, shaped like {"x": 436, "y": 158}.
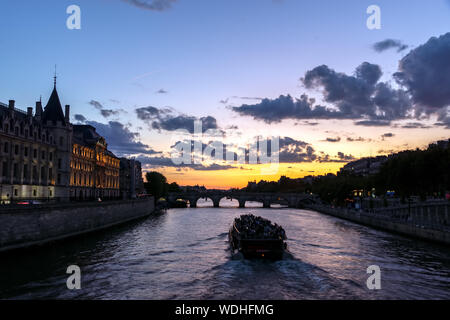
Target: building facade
{"x": 131, "y": 182}
{"x": 94, "y": 169}
{"x": 44, "y": 157}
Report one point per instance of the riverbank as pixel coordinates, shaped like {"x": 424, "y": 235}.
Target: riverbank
{"x": 26, "y": 226}
{"x": 425, "y": 221}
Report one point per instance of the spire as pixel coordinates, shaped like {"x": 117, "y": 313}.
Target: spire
{"x": 54, "y": 78}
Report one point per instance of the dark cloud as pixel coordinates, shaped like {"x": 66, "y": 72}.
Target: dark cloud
{"x": 108, "y": 112}
{"x": 307, "y": 123}
{"x": 161, "y": 161}
{"x": 359, "y": 139}
{"x": 425, "y": 72}
{"x": 389, "y": 44}
{"x": 373, "y": 123}
{"x": 341, "y": 158}
{"x": 248, "y": 98}
{"x": 161, "y": 91}
{"x": 390, "y": 151}
{"x": 290, "y": 151}
{"x": 445, "y": 123}
{"x": 333, "y": 140}
{"x": 165, "y": 119}
{"x": 120, "y": 139}
{"x": 295, "y": 151}
{"x": 79, "y": 117}
{"x": 358, "y": 97}
{"x": 97, "y": 105}
{"x": 154, "y": 5}
{"x": 387, "y": 135}
{"x": 285, "y": 107}
{"x": 423, "y": 76}
{"x": 344, "y": 157}
{"x": 415, "y": 125}
{"x": 103, "y": 111}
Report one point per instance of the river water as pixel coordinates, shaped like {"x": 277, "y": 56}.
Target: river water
{"x": 184, "y": 254}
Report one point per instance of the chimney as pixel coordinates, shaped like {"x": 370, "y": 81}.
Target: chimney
{"x": 67, "y": 114}
{"x": 38, "y": 110}
{"x": 30, "y": 112}
{"x": 11, "y": 104}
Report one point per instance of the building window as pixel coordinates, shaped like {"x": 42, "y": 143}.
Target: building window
{"x": 5, "y": 169}
{"x": 16, "y": 192}
{"x": 51, "y": 156}
{"x": 35, "y": 174}
{"x": 59, "y": 163}
{"x": 59, "y": 178}
{"x": 16, "y": 131}
{"x": 25, "y": 171}
{"x": 26, "y": 133}
{"x": 25, "y": 152}
{"x": 16, "y": 149}
{"x": 16, "y": 171}
{"x": 34, "y": 193}
{"x": 50, "y": 174}
{"x": 61, "y": 141}
{"x": 43, "y": 155}
{"x": 35, "y": 153}
{"x": 50, "y": 193}
{"x": 6, "y": 147}
{"x": 43, "y": 173}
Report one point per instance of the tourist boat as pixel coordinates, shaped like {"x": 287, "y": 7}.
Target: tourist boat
{"x": 265, "y": 246}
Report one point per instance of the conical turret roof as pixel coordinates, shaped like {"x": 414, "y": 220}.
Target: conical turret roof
{"x": 53, "y": 110}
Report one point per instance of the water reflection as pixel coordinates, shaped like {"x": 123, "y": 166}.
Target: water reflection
{"x": 184, "y": 254}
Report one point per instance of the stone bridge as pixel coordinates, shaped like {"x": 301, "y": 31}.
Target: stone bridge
{"x": 293, "y": 200}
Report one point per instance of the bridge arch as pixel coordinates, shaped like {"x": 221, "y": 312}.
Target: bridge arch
{"x": 293, "y": 200}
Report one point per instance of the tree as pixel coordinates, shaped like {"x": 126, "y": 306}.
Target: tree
{"x": 156, "y": 184}
{"x": 174, "y": 187}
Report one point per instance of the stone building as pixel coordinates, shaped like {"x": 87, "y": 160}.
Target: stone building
{"x": 34, "y": 151}
{"x": 94, "y": 169}
{"x": 131, "y": 182}
{"x": 44, "y": 157}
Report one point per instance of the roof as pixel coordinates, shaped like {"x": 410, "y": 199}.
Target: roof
{"x": 53, "y": 110}
{"x": 85, "y": 135}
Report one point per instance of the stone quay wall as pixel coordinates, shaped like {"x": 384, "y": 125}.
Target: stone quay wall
{"x": 428, "y": 221}
{"x": 25, "y": 226}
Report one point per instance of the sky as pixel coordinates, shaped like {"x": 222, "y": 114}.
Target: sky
{"x": 309, "y": 72}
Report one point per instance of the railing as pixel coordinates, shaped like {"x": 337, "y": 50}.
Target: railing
{"x": 45, "y": 203}
{"x": 415, "y": 215}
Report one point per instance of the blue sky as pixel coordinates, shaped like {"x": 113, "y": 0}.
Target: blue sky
{"x": 199, "y": 52}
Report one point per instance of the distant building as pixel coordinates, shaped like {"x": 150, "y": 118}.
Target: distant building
{"x": 308, "y": 179}
{"x": 193, "y": 188}
{"x": 442, "y": 144}
{"x": 131, "y": 182}
{"x": 365, "y": 167}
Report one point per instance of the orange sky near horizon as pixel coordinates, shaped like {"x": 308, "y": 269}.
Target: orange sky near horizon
{"x": 238, "y": 178}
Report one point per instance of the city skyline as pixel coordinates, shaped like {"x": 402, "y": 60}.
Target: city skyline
{"x": 266, "y": 68}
